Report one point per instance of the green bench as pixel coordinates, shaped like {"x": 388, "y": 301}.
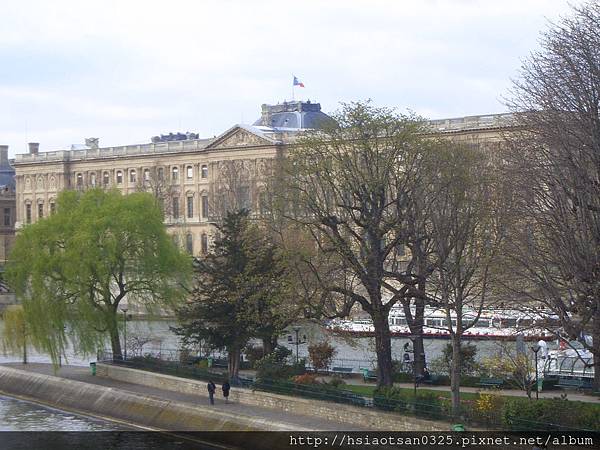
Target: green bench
{"x": 574, "y": 383}
{"x": 369, "y": 375}
{"x": 343, "y": 371}
{"x": 495, "y": 383}
{"x": 432, "y": 380}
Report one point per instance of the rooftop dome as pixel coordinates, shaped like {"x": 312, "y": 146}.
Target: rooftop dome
{"x": 292, "y": 115}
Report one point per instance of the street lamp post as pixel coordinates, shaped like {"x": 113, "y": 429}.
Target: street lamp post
{"x": 298, "y": 342}
{"x": 124, "y": 332}
{"x": 536, "y": 348}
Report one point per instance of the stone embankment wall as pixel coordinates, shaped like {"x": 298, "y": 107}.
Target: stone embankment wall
{"x": 362, "y": 417}
{"x": 125, "y": 406}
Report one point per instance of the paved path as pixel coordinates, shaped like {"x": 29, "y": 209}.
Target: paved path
{"x": 83, "y": 374}
{"x": 571, "y": 394}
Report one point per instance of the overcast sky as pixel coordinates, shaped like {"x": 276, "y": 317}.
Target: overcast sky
{"x": 126, "y": 70}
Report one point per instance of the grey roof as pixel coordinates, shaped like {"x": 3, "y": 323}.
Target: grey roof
{"x": 293, "y": 115}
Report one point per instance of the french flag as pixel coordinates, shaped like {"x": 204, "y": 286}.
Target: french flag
{"x": 297, "y": 82}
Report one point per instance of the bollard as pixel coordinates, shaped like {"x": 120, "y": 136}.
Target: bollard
{"x": 93, "y": 368}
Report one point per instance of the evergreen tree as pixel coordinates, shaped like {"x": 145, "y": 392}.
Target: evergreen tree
{"x": 241, "y": 291}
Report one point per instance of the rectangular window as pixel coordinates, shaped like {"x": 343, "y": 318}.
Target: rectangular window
{"x": 190, "y": 207}
{"x": 205, "y": 206}
{"x": 7, "y": 217}
{"x": 28, "y": 213}
{"x": 175, "y": 207}
{"x": 204, "y": 171}
{"x": 40, "y": 210}
{"x": 161, "y": 174}
{"x": 132, "y": 176}
{"x": 244, "y": 197}
{"x": 119, "y": 177}
{"x": 52, "y": 208}
{"x": 189, "y": 172}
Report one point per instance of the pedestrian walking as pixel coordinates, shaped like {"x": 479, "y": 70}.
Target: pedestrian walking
{"x": 211, "y": 391}
{"x": 226, "y": 388}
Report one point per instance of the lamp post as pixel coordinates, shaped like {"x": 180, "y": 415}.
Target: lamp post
{"x": 298, "y": 342}
{"x": 124, "y": 332}
{"x": 536, "y": 348}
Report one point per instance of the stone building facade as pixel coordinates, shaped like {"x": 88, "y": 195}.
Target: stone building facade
{"x": 191, "y": 175}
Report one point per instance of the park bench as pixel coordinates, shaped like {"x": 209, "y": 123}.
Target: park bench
{"x": 574, "y": 383}
{"x": 343, "y": 371}
{"x": 221, "y": 364}
{"x": 432, "y": 380}
{"x": 369, "y": 375}
{"x": 491, "y": 382}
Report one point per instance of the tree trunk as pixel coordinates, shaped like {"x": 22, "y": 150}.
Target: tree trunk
{"x": 233, "y": 362}
{"x": 113, "y": 331}
{"x": 455, "y": 375}
{"x": 269, "y": 344}
{"x": 416, "y": 328}
{"x": 383, "y": 348}
{"x": 24, "y": 351}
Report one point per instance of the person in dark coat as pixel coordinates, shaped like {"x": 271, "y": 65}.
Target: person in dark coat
{"x": 211, "y": 391}
{"x": 226, "y": 388}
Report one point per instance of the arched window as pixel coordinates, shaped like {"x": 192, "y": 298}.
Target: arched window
{"x": 105, "y": 178}
{"x": 40, "y": 210}
{"x": 146, "y": 174}
{"x": 161, "y": 174}
{"x": 204, "y": 243}
{"x": 204, "y": 171}
{"x": 132, "y": 176}
{"x": 79, "y": 180}
{"x": 189, "y": 243}
{"x": 119, "y": 177}
{"x": 189, "y": 172}
{"x": 175, "y": 173}
{"x": 93, "y": 179}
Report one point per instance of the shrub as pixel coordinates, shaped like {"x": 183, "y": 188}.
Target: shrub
{"x": 275, "y": 365}
{"x": 550, "y": 414}
{"x": 337, "y": 382}
{"x": 425, "y": 404}
{"x": 321, "y": 355}
{"x": 307, "y": 378}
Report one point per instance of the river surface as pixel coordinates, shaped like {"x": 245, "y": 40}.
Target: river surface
{"x": 18, "y": 415}
{"x": 350, "y": 352}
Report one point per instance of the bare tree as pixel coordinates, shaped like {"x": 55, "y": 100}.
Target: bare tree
{"x": 468, "y": 227}
{"x": 351, "y": 188}
{"x": 556, "y": 164}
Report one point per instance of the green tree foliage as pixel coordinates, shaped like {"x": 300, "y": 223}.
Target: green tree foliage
{"x": 75, "y": 268}
{"x": 15, "y": 334}
{"x": 241, "y": 291}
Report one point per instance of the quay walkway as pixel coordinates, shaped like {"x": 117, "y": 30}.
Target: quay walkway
{"x": 295, "y": 421}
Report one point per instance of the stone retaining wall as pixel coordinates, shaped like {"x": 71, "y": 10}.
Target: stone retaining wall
{"x": 126, "y": 406}
{"x": 362, "y": 417}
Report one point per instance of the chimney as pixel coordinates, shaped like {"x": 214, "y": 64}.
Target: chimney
{"x": 34, "y": 148}
{"x": 3, "y": 155}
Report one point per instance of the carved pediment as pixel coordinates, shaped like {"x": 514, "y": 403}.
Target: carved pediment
{"x": 239, "y": 137}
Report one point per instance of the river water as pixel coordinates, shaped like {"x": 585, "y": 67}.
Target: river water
{"x": 350, "y": 352}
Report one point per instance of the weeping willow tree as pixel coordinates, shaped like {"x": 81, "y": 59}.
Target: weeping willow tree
{"x": 73, "y": 269}
{"x": 16, "y": 333}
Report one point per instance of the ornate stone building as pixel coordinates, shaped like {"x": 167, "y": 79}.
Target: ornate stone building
{"x": 190, "y": 175}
